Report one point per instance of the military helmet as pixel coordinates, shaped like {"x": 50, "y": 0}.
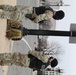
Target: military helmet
{"x": 59, "y": 15}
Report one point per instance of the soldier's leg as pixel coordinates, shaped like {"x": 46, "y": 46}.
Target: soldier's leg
{"x": 7, "y": 7}
{"x": 9, "y": 15}
{"x": 20, "y": 59}
{"x": 25, "y": 9}
{"x": 5, "y": 59}
{"x": 5, "y": 15}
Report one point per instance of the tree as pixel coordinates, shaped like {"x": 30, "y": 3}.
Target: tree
{"x": 53, "y": 48}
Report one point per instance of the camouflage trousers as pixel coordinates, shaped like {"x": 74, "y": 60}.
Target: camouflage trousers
{"x": 14, "y": 13}
{"x": 18, "y": 59}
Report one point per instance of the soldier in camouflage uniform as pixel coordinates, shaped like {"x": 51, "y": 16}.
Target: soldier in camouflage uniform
{"x": 33, "y": 60}
{"x": 37, "y": 13}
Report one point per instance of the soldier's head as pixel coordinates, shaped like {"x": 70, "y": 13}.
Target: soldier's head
{"x": 53, "y": 62}
{"x": 58, "y": 15}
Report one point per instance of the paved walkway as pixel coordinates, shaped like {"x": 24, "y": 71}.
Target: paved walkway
{"x": 4, "y": 42}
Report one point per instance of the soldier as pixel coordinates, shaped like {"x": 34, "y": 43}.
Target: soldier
{"x": 37, "y": 13}
{"x": 34, "y": 60}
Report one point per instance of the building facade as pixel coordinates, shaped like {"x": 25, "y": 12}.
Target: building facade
{"x": 53, "y": 71}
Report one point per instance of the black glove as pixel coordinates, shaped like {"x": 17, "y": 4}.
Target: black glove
{"x": 29, "y": 16}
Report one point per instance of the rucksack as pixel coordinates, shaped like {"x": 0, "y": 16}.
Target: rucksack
{"x": 13, "y": 31}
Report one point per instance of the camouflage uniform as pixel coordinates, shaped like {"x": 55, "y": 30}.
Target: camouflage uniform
{"x": 14, "y": 58}
{"x": 20, "y": 59}
{"x": 18, "y": 13}
{"x": 14, "y": 13}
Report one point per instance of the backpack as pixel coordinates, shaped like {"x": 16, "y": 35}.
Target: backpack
{"x": 13, "y": 30}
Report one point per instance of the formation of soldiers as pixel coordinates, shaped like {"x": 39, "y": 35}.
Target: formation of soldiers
{"x": 15, "y": 31}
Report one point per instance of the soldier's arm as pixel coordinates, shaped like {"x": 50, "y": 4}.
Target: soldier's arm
{"x": 39, "y": 55}
{"x": 47, "y": 15}
{"x": 7, "y": 7}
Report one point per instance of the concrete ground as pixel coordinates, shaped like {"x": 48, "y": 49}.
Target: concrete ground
{"x": 19, "y": 46}
{"x": 5, "y": 44}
